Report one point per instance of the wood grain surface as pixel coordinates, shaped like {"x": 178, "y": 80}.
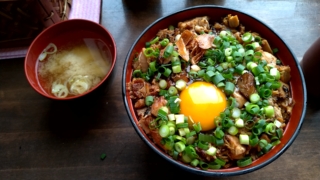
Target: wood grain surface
{"x": 46, "y": 139}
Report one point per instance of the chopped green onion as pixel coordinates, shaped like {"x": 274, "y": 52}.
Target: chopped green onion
{"x": 182, "y": 125}
{"x": 249, "y": 46}
{"x": 148, "y": 44}
{"x": 217, "y": 78}
{"x": 172, "y": 90}
{"x": 229, "y": 88}
{"x": 227, "y": 51}
{"x": 171, "y": 27}
{"x": 163, "y": 92}
{"x": 205, "y": 137}
{"x": 236, "y": 112}
{"x": 263, "y": 143}
{"x": 203, "y": 165}
{"x": 220, "y": 85}
{"x": 257, "y": 70}
{"x": 255, "y": 45}
{"x": 239, "y": 123}
{"x": 211, "y": 151}
{"x": 232, "y": 102}
{"x": 277, "y": 123}
{"x": 257, "y": 131}
{"x": 197, "y": 127}
{"x": 182, "y": 132}
{"x": 191, "y": 152}
{"x": 185, "y": 157}
{"x": 210, "y": 73}
{"x": 229, "y": 58}
{"x": 254, "y": 140}
{"x": 178, "y": 138}
{"x": 252, "y": 108}
{"x": 163, "y": 84}
{"x": 137, "y": 73}
{"x": 251, "y": 65}
{"x": 152, "y": 66}
{"x": 244, "y": 139}
{"x": 219, "y": 142}
{"x": 275, "y": 85}
{"x": 191, "y": 133}
{"x": 171, "y": 123}
{"x": 162, "y": 114}
{"x": 219, "y": 161}
{"x": 257, "y": 39}
{"x": 164, "y": 42}
{"x": 233, "y": 130}
{"x": 223, "y": 33}
{"x": 195, "y": 68}
{"x": 226, "y": 123}
{"x": 176, "y": 69}
{"x": 279, "y": 133}
{"x": 275, "y": 72}
{"x": 219, "y": 68}
{"x": 267, "y": 148}
{"x": 179, "y": 118}
{"x": 261, "y": 123}
{"x": 239, "y": 69}
{"x": 275, "y": 50}
{"x": 173, "y": 104}
{"x": 217, "y": 41}
{"x": 228, "y": 76}
{"x": 264, "y": 92}
{"x": 174, "y": 53}
{"x": 190, "y": 140}
{"x": 254, "y": 98}
{"x": 175, "y": 61}
{"x": 171, "y": 117}
{"x": 181, "y": 84}
{"x": 247, "y": 37}
{"x": 103, "y": 156}
{"x": 249, "y": 55}
{"x": 155, "y": 40}
{"x": 203, "y": 145}
{"x": 172, "y": 130}
{"x": 269, "y": 111}
{"x": 175, "y": 155}
{"x": 168, "y": 51}
{"x": 164, "y": 131}
{"x": 149, "y": 100}
{"x": 237, "y": 56}
{"x": 257, "y": 56}
{"x": 148, "y": 52}
{"x": 179, "y": 146}
{"x": 270, "y": 128}
{"x": 219, "y": 133}
{"x": 244, "y": 162}
{"x": 262, "y": 77}
{"x": 276, "y": 142}
{"x": 194, "y": 162}
{"x": 165, "y": 71}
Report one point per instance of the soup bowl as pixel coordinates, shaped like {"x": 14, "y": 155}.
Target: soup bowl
{"x": 216, "y": 13}
{"x": 96, "y": 41}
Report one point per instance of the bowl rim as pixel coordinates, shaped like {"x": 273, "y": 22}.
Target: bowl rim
{"x": 61, "y": 23}
{"x": 200, "y": 171}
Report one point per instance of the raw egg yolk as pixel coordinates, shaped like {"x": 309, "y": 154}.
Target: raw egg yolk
{"x": 203, "y": 102}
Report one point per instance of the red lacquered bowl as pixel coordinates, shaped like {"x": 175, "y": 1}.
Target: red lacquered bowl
{"x": 60, "y": 34}
{"x": 251, "y": 23}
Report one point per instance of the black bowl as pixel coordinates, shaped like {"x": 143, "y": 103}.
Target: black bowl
{"x": 215, "y": 13}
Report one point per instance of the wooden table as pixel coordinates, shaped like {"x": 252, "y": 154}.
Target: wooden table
{"x": 45, "y": 139}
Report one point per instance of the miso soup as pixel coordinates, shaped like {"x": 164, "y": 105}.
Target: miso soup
{"x": 73, "y": 69}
